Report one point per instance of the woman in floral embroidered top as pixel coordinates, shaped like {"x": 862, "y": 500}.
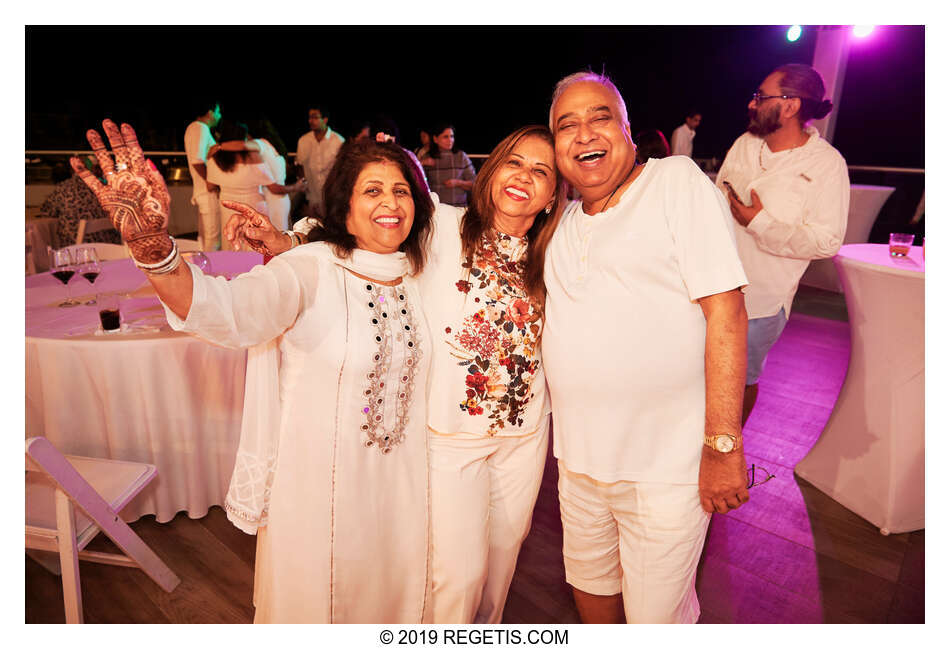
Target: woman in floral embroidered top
{"x": 488, "y": 407}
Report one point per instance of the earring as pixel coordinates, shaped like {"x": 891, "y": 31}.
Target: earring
{"x": 547, "y": 210}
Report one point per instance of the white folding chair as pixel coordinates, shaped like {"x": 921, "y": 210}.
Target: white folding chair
{"x": 187, "y": 245}
{"x": 88, "y": 226}
{"x": 105, "y": 251}
{"x": 55, "y": 484}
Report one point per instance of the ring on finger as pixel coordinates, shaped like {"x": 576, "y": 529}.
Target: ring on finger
{"x": 121, "y": 166}
{"x": 110, "y": 173}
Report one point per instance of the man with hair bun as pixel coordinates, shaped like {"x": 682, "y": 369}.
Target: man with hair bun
{"x": 788, "y": 190}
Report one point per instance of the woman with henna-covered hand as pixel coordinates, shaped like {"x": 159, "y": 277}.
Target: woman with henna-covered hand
{"x": 488, "y": 408}
{"x": 341, "y": 511}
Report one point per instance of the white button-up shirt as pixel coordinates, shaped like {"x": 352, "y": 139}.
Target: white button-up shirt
{"x": 805, "y": 194}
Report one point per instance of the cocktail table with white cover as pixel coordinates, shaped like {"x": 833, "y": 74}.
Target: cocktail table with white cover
{"x": 147, "y": 394}
{"x": 865, "y": 204}
{"x": 870, "y": 457}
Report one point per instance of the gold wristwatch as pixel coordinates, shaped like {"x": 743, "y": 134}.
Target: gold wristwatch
{"x": 723, "y": 443}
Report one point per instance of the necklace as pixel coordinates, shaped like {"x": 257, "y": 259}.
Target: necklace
{"x": 625, "y": 179}
{"x": 762, "y": 148}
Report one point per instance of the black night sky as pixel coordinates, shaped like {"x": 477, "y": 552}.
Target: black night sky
{"x": 485, "y": 80}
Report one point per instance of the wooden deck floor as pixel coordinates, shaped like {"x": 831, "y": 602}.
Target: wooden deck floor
{"x": 792, "y": 555}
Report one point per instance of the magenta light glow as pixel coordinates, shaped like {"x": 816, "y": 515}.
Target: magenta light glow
{"x": 861, "y": 31}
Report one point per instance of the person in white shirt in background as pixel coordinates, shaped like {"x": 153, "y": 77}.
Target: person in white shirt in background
{"x": 644, "y": 354}
{"x": 198, "y": 140}
{"x": 316, "y": 153}
{"x": 682, "y": 141}
{"x": 788, "y": 190}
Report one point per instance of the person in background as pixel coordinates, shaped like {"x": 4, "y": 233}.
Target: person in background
{"x": 70, "y": 201}
{"x": 682, "y": 140}
{"x": 316, "y": 152}
{"x": 450, "y": 171}
{"x": 241, "y": 168}
{"x": 651, "y": 144}
{"x": 644, "y": 353}
{"x": 332, "y": 465}
{"x": 425, "y": 141}
{"x": 788, "y": 191}
{"x": 198, "y": 141}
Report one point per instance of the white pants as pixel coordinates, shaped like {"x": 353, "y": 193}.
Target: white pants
{"x": 209, "y": 225}
{"x": 642, "y": 539}
{"x": 483, "y": 494}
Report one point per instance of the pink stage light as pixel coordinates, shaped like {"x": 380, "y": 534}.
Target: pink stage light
{"x": 861, "y": 31}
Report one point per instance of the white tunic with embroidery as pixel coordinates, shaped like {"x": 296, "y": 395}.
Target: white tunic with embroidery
{"x": 345, "y": 500}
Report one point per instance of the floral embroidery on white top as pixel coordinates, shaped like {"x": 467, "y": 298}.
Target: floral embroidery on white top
{"x": 498, "y": 341}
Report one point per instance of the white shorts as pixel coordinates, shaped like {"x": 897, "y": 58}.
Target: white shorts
{"x": 642, "y": 539}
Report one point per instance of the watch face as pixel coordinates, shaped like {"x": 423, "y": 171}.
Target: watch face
{"x": 724, "y": 443}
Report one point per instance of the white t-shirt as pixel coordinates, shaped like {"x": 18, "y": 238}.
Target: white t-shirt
{"x": 487, "y": 379}
{"x": 624, "y": 341}
{"x": 682, "y": 141}
{"x": 198, "y": 140}
{"x": 317, "y": 158}
{"x": 805, "y": 194}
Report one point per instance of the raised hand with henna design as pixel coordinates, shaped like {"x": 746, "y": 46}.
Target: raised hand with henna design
{"x": 135, "y": 196}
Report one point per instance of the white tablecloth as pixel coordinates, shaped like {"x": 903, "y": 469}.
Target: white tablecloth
{"x": 870, "y": 457}
{"x": 865, "y": 204}
{"x": 147, "y": 394}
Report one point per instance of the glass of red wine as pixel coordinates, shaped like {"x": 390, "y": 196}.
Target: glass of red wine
{"x": 63, "y": 269}
{"x": 87, "y": 262}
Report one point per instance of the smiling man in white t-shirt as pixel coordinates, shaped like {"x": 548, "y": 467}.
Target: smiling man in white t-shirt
{"x": 644, "y": 353}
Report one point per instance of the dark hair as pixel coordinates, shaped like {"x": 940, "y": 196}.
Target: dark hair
{"x": 384, "y": 124}
{"x": 479, "y": 217}
{"x": 230, "y": 130}
{"x": 206, "y": 105}
{"x": 321, "y": 108}
{"x": 262, "y": 128}
{"x": 435, "y": 151}
{"x": 651, "y": 144}
{"x": 354, "y": 155}
{"x": 804, "y": 81}
{"x": 692, "y": 112}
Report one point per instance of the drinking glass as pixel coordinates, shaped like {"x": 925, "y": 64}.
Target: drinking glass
{"x": 63, "y": 269}
{"x": 87, "y": 262}
{"x": 900, "y": 243}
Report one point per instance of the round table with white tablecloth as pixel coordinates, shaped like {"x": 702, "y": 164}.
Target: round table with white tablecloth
{"x": 146, "y": 393}
{"x": 870, "y": 456}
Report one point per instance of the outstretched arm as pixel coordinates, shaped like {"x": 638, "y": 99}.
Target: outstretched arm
{"x": 137, "y": 201}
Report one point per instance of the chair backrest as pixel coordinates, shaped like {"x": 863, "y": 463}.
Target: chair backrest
{"x": 99, "y": 486}
{"x": 105, "y": 251}
{"x": 187, "y": 245}
{"x": 88, "y": 226}
{"x": 99, "y": 489}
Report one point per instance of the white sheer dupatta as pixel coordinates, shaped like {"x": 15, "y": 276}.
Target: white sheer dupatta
{"x": 249, "y": 491}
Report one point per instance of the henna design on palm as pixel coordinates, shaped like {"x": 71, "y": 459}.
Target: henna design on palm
{"x": 135, "y": 196}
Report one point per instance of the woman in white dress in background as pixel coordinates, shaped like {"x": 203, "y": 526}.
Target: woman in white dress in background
{"x": 333, "y": 477}
{"x": 243, "y": 169}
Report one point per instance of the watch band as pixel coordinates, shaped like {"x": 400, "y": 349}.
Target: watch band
{"x": 710, "y": 441}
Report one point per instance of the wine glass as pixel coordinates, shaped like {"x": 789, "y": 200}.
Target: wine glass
{"x": 63, "y": 269}
{"x": 87, "y": 262}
